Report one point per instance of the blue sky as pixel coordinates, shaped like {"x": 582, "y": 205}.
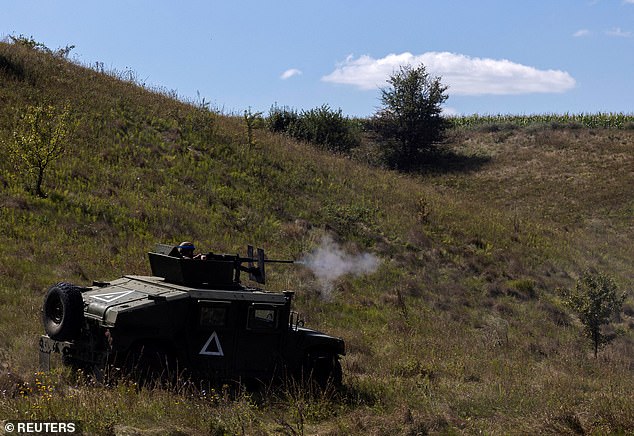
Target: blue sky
{"x": 497, "y": 56}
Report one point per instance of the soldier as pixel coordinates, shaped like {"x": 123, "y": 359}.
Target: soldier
{"x": 186, "y": 251}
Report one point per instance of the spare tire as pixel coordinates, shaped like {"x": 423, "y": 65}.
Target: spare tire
{"x": 63, "y": 312}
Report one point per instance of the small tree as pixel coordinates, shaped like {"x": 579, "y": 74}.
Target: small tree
{"x": 596, "y": 300}
{"x": 252, "y": 121}
{"x": 39, "y": 139}
{"x": 409, "y": 124}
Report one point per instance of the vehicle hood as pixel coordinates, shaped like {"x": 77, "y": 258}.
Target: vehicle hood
{"x": 316, "y": 338}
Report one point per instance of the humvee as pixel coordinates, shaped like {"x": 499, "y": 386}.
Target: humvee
{"x": 193, "y": 317}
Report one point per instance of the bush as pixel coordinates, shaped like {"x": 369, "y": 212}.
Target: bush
{"x": 322, "y": 126}
{"x": 281, "y": 120}
{"x": 596, "y": 300}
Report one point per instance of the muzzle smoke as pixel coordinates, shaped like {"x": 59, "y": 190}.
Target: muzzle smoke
{"x": 329, "y": 261}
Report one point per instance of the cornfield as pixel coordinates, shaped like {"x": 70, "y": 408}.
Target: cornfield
{"x": 607, "y": 120}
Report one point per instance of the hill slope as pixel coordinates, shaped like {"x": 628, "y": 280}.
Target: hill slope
{"x": 460, "y": 329}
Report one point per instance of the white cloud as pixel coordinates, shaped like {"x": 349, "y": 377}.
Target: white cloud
{"x": 290, "y": 73}
{"x": 582, "y": 32}
{"x": 465, "y": 75}
{"x": 617, "y": 31}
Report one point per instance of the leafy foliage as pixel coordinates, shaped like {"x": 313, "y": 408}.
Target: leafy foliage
{"x": 41, "y": 137}
{"x": 410, "y": 124}
{"x": 282, "y": 119}
{"x": 596, "y": 300}
{"x": 323, "y": 126}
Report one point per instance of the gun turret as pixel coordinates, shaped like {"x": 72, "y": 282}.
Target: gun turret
{"x": 255, "y": 263}
{"x": 210, "y": 270}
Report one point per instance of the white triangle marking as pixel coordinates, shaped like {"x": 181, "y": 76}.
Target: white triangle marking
{"x": 109, "y": 298}
{"x": 205, "y": 352}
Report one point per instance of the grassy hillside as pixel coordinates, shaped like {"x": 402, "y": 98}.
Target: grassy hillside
{"x": 460, "y": 330}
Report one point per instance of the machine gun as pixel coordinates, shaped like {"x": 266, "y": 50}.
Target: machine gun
{"x": 257, "y": 273}
{"x": 209, "y": 270}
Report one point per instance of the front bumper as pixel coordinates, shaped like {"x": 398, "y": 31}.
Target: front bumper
{"x": 71, "y": 353}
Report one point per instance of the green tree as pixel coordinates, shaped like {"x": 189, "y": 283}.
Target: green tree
{"x": 410, "y": 125}
{"x": 596, "y": 300}
{"x": 40, "y": 138}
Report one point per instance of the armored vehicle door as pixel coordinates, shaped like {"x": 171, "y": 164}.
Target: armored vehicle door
{"x": 258, "y": 341}
{"x": 211, "y": 341}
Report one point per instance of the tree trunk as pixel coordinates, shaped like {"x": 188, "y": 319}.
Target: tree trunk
{"x": 38, "y": 183}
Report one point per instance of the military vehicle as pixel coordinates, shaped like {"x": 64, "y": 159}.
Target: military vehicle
{"x": 192, "y": 317}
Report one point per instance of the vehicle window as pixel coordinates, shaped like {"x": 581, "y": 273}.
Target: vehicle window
{"x": 212, "y": 316}
{"x": 262, "y": 318}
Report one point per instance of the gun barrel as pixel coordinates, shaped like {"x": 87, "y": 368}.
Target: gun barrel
{"x": 254, "y": 259}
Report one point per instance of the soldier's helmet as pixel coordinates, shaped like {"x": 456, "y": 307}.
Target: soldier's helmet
{"x": 186, "y": 249}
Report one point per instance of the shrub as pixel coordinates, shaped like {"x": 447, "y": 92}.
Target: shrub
{"x": 596, "y": 300}
{"x": 281, "y": 120}
{"x": 32, "y": 44}
{"x": 328, "y": 128}
{"x": 322, "y": 126}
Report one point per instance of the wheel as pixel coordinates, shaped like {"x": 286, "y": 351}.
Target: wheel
{"x": 63, "y": 312}
{"x": 324, "y": 369}
{"x": 337, "y": 374}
